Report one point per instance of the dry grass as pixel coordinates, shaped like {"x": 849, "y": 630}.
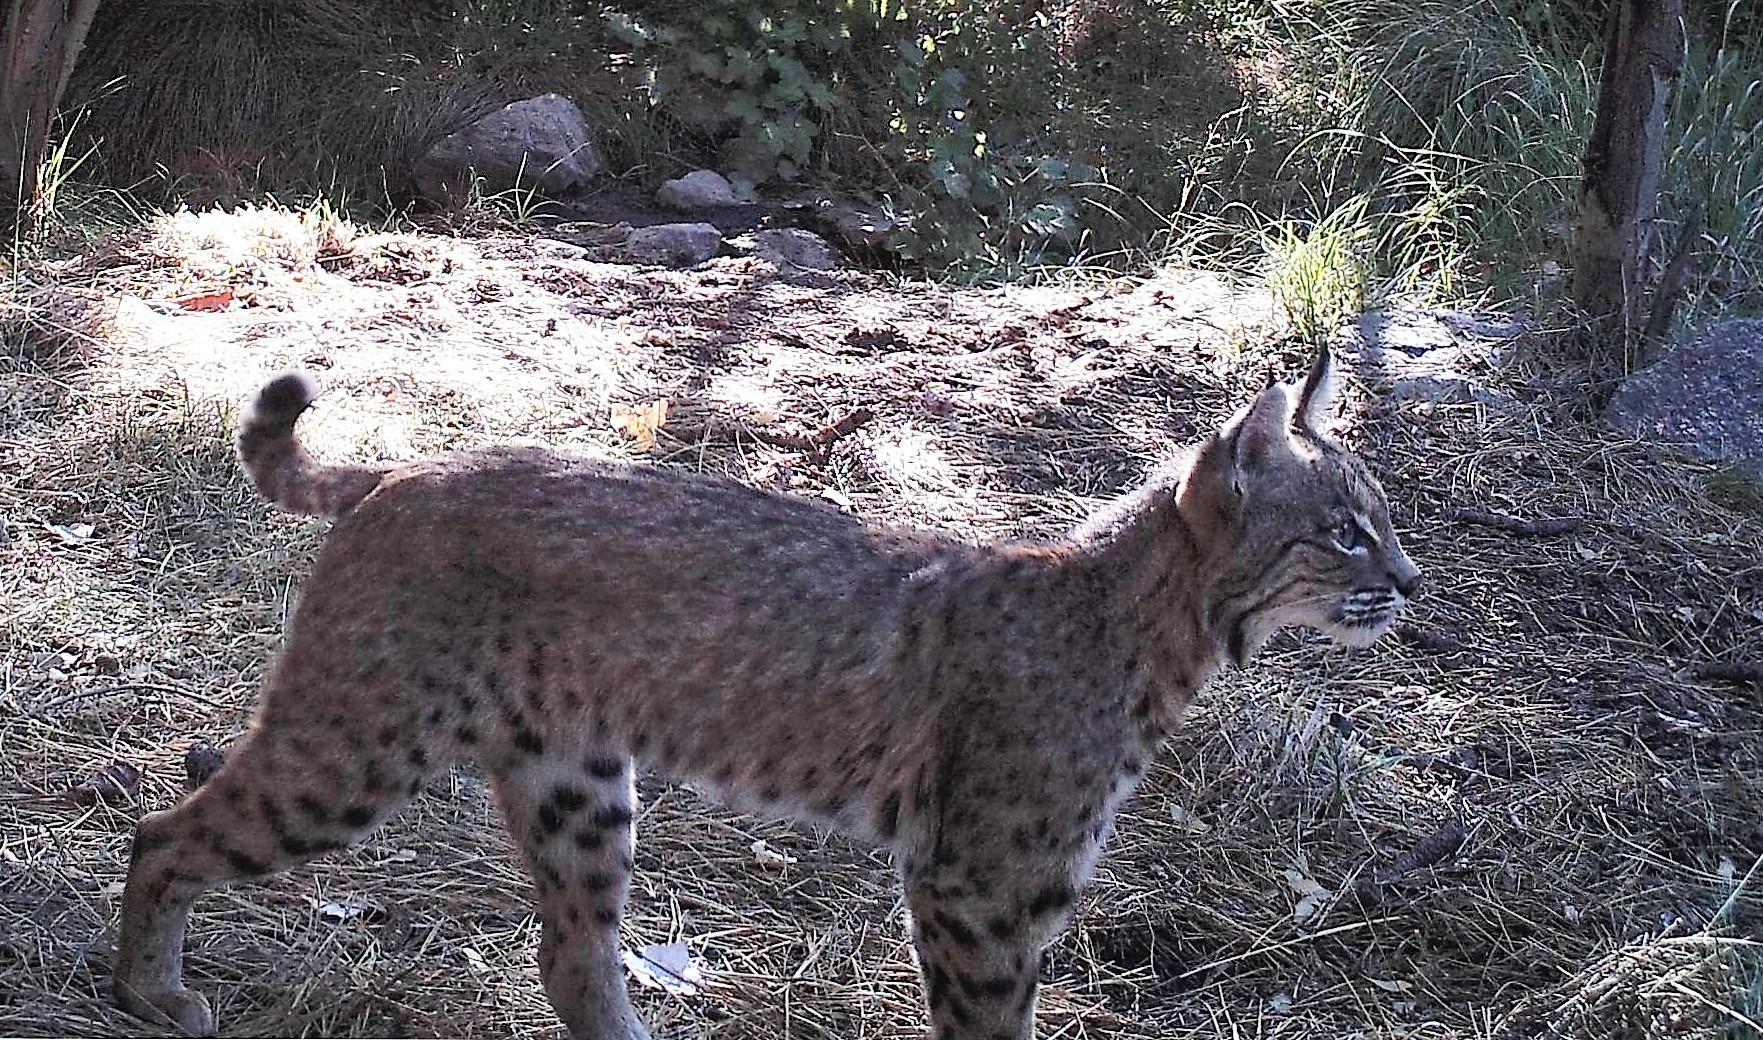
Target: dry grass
{"x": 1543, "y": 698}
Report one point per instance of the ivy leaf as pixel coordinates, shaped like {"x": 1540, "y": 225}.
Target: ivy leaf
{"x": 954, "y": 183}
{"x": 822, "y": 97}
{"x": 743, "y": 106}
{"x": 705, "y": 63}
{"x": 743, "y": 67}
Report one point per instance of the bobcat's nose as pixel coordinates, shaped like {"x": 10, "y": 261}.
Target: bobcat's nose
{"x": 1406, "y": 578}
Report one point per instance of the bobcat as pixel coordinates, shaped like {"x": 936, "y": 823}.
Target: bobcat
{"x": 978, "y": 710}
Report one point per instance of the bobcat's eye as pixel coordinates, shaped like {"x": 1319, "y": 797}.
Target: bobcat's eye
{"x": 1349, "y": 537}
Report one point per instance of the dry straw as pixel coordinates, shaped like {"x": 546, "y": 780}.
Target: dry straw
{"x": 1524, "y": 817}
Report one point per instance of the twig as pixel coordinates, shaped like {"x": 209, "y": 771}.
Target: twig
{"x": 94, "y": 691}
{"x": 1351, "y": 926}
{"x": 813, "y": 442}
{"x": 1544, "y": 528}
{"x": 1742, "y": 672}
{"x": 820, "y": 439}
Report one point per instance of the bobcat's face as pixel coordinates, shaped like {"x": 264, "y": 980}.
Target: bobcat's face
{"x": 1312, "y": 537}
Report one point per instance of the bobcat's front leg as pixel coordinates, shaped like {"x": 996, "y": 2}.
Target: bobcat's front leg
{"x": 979, "y": 933}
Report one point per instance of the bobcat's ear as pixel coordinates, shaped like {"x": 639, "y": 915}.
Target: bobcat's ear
{"x": 1316, "y": 398}
{"x": 1257, "y": 432}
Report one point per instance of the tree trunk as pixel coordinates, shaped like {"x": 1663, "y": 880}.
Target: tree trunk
{"x": 1619, "y": 188}
{"x": 43, "y": 37}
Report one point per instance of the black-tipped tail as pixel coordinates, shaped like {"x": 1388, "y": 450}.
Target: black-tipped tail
{"x": 279, "y": 466}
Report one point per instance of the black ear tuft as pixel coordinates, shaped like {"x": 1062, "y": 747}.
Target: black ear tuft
{"x": 1316, "y": 398}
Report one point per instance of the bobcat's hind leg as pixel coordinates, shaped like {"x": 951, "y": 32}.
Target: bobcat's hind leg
{"x": 571, "y": 812}
{"x": 279, "y": 801}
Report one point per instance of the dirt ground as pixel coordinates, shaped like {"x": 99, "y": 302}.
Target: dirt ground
{"x": 1535, "y": 812}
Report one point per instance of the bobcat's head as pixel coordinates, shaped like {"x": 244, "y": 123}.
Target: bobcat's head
{"x": 1307, "y": 523}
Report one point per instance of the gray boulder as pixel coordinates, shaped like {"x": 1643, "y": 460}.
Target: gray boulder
{"x": 698, "y": 190}
{"x": 541, "y": 143}
{"x": 789, "y": 249}
{"x": 1706, "y": 395}
{"x": 673, "y": 245}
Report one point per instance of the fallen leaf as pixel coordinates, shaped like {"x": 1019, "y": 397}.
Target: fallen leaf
{"x": 213, "y": 300}
{"x": 1305, "y": 909}
{"x": 1392, "y": 985}
{"x": 72, "y": 534}
{"x": 1186, "y": 820}
{"x": 769, "y": 856}
{"x": 1301, "y": 885}
{"x": 668, "y": 967}
{"x": 116, "y": 784}
{"x": 641, "y": 423}
{"x": 1311, "y": 894}
{"x": 339, "y": 911}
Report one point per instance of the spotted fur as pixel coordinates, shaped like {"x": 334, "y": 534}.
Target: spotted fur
{"x": 979, "y": 710}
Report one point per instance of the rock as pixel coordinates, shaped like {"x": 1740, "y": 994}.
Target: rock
{"x": 1435, "y": 356}
{"x": 788, "y": 249}
{"x": 673, "y": 245}
{"x": 1706, "y": 395}
{"x": 698, "y": 190}
{"x": 855, "y": 224}
{"x": 540, "y": 143}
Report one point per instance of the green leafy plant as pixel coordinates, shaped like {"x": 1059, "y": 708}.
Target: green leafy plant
{"x": 773, "y": 72}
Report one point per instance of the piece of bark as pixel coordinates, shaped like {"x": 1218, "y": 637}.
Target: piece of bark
{"x": 1544, "y": 528}
{"x": 1437, "y": 848}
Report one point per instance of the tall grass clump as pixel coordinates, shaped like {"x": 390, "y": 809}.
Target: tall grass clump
{"x": 1480, "y": 111}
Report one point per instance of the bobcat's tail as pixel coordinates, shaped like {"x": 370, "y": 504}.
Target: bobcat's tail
{"x": 280, "y": 467}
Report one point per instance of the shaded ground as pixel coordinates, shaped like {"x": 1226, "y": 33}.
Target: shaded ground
{"x": 1267, "y": 881}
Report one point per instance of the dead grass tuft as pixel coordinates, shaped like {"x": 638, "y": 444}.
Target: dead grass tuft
{"x": 1524, "y": 817}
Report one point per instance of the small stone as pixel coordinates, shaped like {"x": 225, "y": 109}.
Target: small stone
{"x": 698, "y": 190}
{"x": 789, "y": 248}
{"x": 1432, "y": 390}
{"x": 673, "y": 245}
{"x": 855, "y": 224}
